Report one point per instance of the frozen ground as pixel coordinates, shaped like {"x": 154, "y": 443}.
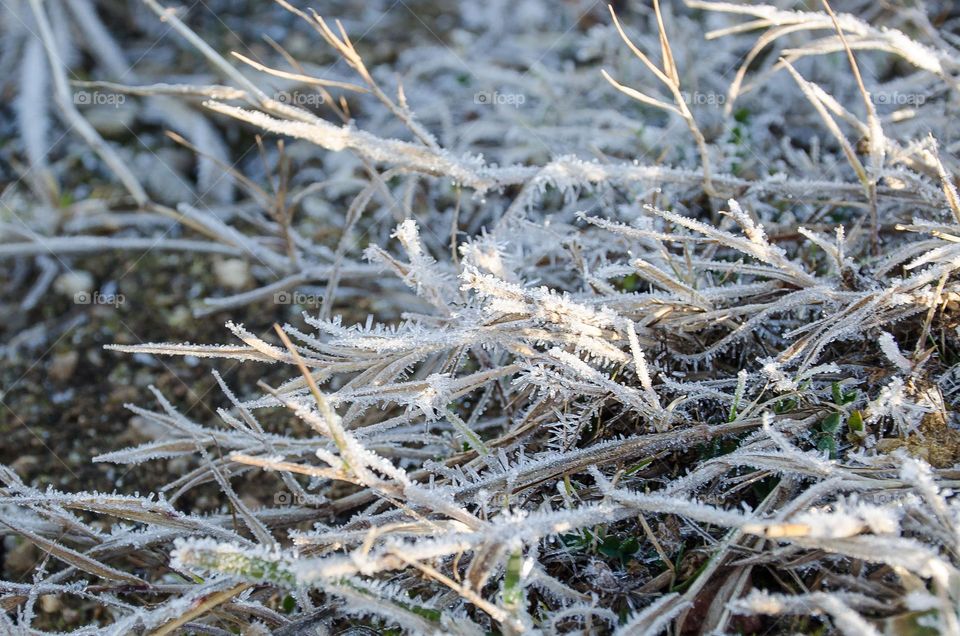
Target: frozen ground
{"x": 479, "y": 317}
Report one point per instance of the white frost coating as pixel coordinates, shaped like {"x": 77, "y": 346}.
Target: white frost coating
{"x": 890, "y": 349}
{"x": 563, "y": 340}
{"x": 895, "y": 402}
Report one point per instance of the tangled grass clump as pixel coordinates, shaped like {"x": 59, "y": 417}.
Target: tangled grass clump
{"x": 552, "y": 386}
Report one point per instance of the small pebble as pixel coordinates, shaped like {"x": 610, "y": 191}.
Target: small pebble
{"x": 112, "y": 119}
{"x": 77, "y": 285}
{"x": 24, "y": 464}
{"x": 233, "y": 273}
{"x": 63, "y": 365}
{"x": 21, "y": 559}
{"x": 180, "y": 317}
{"x": 50, "y": 604}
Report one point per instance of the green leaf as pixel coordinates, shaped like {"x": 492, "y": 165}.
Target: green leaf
{"x": 581, "y": 540}
{"x": 630, "y": 283}
{"x": 841, "y": 397}
{"x": 512, "y": 590}
{"x": 610, "y": 547}
{"x": 471, "y": 438}
{"x": 784, "y": 406}
{"x": 640, "y": 466}
{"x": 426, "y": 612}
{"x": 617, "y": 548}
{"x": 855, "y": 422}
{"x": 831, "y": 423}
{"x": 630, "y": 546}
{"x": 913, "y": 624}
{"x": 829, "y": 444}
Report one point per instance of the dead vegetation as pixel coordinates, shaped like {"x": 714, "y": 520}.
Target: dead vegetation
{"x": 676, "y": 352}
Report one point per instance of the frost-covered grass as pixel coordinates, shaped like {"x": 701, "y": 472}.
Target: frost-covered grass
{"x": 629, "y": 322}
